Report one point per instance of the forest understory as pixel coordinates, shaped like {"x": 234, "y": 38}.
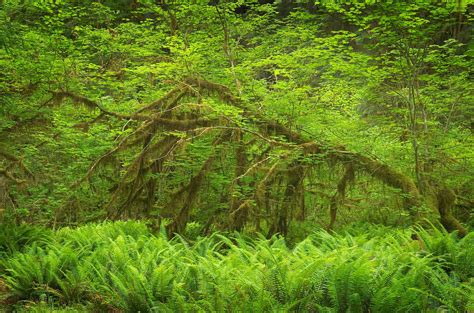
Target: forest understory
{"x": 236, "y": 156}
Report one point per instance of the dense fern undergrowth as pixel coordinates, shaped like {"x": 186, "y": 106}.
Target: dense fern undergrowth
{"x": 123, "y": 267}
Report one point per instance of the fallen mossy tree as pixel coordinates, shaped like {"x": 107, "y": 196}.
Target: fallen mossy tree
{"x": 165, "y": 128}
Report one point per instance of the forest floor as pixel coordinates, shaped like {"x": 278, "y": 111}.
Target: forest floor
{"x": 3, "y": 295}
{"x": 125, "y": 267}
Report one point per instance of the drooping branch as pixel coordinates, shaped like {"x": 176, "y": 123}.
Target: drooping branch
{"x": 384, "y": 173}
{"x": 261, "y": 190}
{"x": 14, "y": 163}
{"x": 163, "y": 116}
{"x": 295, "y": 178}
{"x": 338, "y": 198}
{"x": 375, "y": 168}
{"x": 191, "y": 190}
{"x": 11, "y": 176}
{"x": 168, "y": 101}
{"x": 132, "y": 182}
{"x": 59, "y": 96}
{"x": 168, "y": 123}
{"x": 238, "y": 208}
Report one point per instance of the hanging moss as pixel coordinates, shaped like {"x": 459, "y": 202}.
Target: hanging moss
{"x": 164, "y": 115}
{"x": 294, "y": 182}
{"x": 445, "y": 201}
{"x": 338, "y": 198}
{"x": 132, "y": 183}
{"x": 239, "y": 209}
{"x": 188, "y": 194}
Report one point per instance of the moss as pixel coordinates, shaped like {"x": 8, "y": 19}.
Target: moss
{"x": 239, "y": 209}
{"x": 445, "y": 201}
{"x": 188, "y": 194}
{"x": 164, "y": 115}
{"x": 338, "y": 198}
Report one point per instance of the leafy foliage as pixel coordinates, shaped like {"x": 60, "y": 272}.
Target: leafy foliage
{"x": 122, "y": 265}
{"x": 386, "y": 81}
{"x": 16, "y": 238}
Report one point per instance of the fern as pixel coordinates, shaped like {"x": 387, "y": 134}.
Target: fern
{"x": 121, "y": 266}
{"x": 17, "y": 238}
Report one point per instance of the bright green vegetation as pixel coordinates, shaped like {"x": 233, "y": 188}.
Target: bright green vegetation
{"x": 256, "y": 116}
{"x": 265, "y": 120}
{"x": 122, "y": 265}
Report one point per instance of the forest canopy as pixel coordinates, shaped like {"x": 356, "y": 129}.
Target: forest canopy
{"x": 254, "y": 115}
